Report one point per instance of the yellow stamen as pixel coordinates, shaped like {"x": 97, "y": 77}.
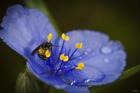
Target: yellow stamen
{"x": 80, "y": 66}
{"x": 50, "y": 36}
{"x": 47, "y": 53}
{"x": 65, "y": 37}
{"x": 79, "y": 45}
{"x": 41, "y": 51}
{"x": 64, "y": 58}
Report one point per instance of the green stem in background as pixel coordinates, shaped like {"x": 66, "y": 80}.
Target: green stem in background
{"x": 27, "y": 84}
{"x": 41, "y": 6}
{"x": 130, "y": 72}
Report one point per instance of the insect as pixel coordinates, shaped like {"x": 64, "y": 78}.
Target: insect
{"x": 43, "y": 50}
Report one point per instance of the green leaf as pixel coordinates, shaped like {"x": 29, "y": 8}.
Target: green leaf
{"x": 130, "y": 72}
{"x": 26, "y": 84}
{"x": 39, "y": 4}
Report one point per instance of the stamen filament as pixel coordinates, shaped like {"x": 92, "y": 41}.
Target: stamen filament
{"x": 77, "y": 46}
{"x": 72, "y": 54}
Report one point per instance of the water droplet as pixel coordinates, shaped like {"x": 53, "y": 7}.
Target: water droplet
{"x": 106, "y": 60}
{"x": 88, "y": 80}
{"x": 86, "y": 53}
{"x": 60, "y": 71}
{"x": 106, "y": 50}
{"x": 72, "y": 82}
{"x": 65, "y": 67}
{"x": 80, "y": 57}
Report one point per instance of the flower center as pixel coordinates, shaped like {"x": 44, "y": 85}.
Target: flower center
{"x": 45, "y": 52}
{"x": 65, "y": 59}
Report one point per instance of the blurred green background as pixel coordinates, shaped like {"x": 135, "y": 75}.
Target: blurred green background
{"x": 120, "y": 19}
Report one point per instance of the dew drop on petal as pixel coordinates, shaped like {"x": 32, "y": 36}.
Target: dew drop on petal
{"x": 106, "y": 60}
{"x": 72, "y": 82}
{"x": 60, "y": 71}
{"x": 80, "y": 57}
{"x": 88, "y": 80}
{"x": 65, "y": 67}
{"x": 86, "y": 53}
{"x": 106, "y": 50}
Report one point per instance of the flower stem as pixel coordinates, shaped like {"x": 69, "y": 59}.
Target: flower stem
{"x": 26, "y": 84}
{"x": 130, "y": 72}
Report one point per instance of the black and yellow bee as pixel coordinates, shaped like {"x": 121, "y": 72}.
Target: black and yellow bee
{"x": 43, "y": 50}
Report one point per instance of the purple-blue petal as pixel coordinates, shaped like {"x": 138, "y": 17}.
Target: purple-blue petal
{"x": 104, "y": 59}
{"x": 24, "y": 29}
{"x": 74, "y": 89}
{"x": 43, "y": 71}
{"x": 43, "y": 74}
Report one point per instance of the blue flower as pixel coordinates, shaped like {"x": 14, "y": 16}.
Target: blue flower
{"x": 73, "y": 62}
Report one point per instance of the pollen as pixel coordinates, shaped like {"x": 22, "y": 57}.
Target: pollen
{"x": 79, "y": 45}
{"x": 47, "y": 53}
{"x": 50, "y": 36}
{"x": 41, "y": 51}
{"x": 80, "y": 66}
{"x": 64, "y": 58}
{"x": 65, "y": 37}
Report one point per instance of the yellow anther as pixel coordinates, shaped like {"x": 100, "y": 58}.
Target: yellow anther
{"x": 80, "y": 66}
{"x": 47, "y": 53}
{"x": 64, "y": 58}
{"x": 50, "y": 36}
{"x": 79, "y": 45}
{"x": 65, "y": 37}
{"x": 41, "y": 51}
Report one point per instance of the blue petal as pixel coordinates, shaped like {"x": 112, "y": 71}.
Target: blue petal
{"x": 74, "y": 89}
{"x": 44, "y": 74}
{"x": 25, "y": 28}
{"x": 43, "y": 71}
{"x": 104, "y": 59}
